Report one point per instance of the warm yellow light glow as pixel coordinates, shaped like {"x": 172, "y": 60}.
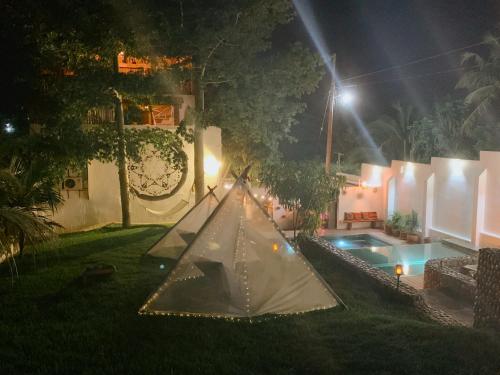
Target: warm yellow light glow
{"x": 270, "y": 199}
{"x": 398, "y": 270}
{"x": 211, "y": 165}
{"x": 275, "y": 247}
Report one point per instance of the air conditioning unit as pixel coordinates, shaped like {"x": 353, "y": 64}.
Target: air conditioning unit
{"x": 72, "y": 183}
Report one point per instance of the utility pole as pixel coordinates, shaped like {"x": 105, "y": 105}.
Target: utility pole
{"x": 332, "y": 210}
{"x": 329, "y": 132}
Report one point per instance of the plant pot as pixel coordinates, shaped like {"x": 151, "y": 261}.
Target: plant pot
{"x": 388, "y": 229}
{"x": 403, "y": 234}
{"x": 413, "y": 238}
{"x": 395, "y": 232}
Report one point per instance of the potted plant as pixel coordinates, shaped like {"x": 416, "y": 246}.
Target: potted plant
{"x": 403, "y": 225}
{"x": 388, "y": 226}
{"x": 396, "y": 223}
{"x": 412, "y": 227}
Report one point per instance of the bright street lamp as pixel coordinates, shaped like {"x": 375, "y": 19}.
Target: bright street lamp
{"x": 347, "y": 98}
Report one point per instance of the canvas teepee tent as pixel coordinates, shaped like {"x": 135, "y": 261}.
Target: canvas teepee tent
{"x": 180, "y": 236}
{"x": 240, "y": 266}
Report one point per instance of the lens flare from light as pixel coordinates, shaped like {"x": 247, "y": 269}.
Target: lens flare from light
{"x": 305, "y": 13}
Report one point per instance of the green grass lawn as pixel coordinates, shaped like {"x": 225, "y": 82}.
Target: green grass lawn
{"x": 49, "y": 324}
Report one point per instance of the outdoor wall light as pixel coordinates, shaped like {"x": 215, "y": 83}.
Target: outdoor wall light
{"x": 398, "y": 270}
{"x": 457, "y": 167}
{"x": 9, "y": 128}
{"x": 275, "y": 247}
{"x": 211, "y": 165}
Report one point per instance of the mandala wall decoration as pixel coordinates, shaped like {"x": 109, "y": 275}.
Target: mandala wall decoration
{"x": 154, "y": 179}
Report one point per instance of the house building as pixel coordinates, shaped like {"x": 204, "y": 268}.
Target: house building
{"x": 158, "y": 194}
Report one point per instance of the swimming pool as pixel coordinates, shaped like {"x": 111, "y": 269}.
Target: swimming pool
{"x": 357, "y": 241}
{"x": 412, "y": 257}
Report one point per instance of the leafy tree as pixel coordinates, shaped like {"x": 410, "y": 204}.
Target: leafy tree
{"x": 72, "y": 63}
{"x": 248, "y": 89}
{"x": 423, "y": 140}
{"x": 394, "y": 132}
{"x": 451, "y": 138}
{"x": 302, "y": 187}
{"x": 482, "y": 80}
{"x": 69, "y": 66}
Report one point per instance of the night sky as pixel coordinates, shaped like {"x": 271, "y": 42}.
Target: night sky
{"x": 368, "y": 35}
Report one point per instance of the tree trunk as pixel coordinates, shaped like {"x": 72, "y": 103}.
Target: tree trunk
{"x": 122, "y": 161}
{"x": 199, "y": 173}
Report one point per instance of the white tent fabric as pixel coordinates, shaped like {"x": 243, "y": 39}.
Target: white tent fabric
{"x": 240, "y": 266}
{"x": 180, "y": 236}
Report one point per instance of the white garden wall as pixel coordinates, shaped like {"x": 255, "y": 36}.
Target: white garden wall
{"x": 453, "y": 198}
{"x": 410, "y": 186}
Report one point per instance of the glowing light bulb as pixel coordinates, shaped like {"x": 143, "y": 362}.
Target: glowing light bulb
{"x": 276, "y": 247}
{"x": 211, "y": 165}
{"x": 347, "y": 98}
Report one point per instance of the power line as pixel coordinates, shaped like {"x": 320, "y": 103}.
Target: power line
{"x": 406, "y": 78}
{"x": 449, "y": 52}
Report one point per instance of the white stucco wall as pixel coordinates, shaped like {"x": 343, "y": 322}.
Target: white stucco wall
{"x": 455, "y": 183}
{"x": 453, "y": 198}
{"x": 410, "y": 184}
{"x": 490, "y": 233}
{"x": 103, "y": 203}
{"x": 370, "y": 196}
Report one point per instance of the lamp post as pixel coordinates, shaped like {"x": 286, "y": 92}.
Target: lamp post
{"x": 398, "y": 270}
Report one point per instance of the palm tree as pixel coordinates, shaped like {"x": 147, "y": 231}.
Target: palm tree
{"x": 27, "y": 194}
{"x": 482, "y": 80}
{"x": 394, "y": 132}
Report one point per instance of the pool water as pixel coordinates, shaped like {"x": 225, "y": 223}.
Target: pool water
{"x": 385, "y": 257}
{"x": 357, "y": 241}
